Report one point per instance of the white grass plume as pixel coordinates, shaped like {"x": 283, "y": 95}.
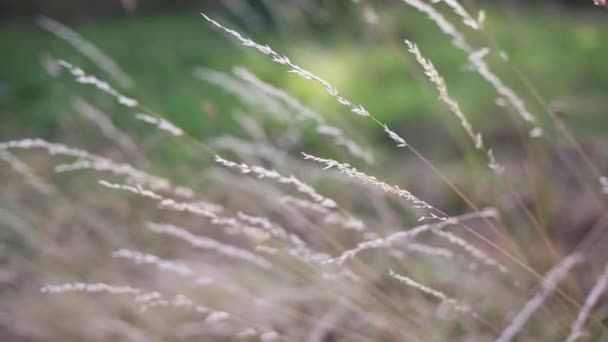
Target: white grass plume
{"x": 294, "y": 68}
{"x": 351, "y": 172}
{"x": 90, "y": 287}
{"x": 210, "y": 244}
{"x": 203, "y": 209}
{"x": 477, "y": 253}
{"x": 261, "y": 172}
{"x": 407, "y": 235}
{"x": 476, "y": 59}
{"x": 86, "y": 48}
{"x": 458, "y": 39}
{"x": 89, "y": 161}
{"x": 144, "y": 299}
{"x": 154, "y": 299}
{"x": 429, "y": 250}
{"x": 442, "y": 297}
{"x": 82, "y": 77}
{"x": 435, "y": 78}
{"x": 467, "y": 19}
{"x": 281, "y": 59}
{"x": 140, "y": 258}
{"x": 160, "y": 123}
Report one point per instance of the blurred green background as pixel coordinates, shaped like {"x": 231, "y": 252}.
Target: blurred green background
{"x": 562, "y": 56}
{"x": 552, "y": 53}
{"x": 556, "y": 61}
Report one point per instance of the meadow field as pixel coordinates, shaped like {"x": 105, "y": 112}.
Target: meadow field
{"x": 404, "y": 170}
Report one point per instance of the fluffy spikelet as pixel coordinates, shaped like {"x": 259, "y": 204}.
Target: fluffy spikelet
{"x": 140, "y": 258}
{"x": 261, "y": 172}
{"x": 407, "y": 235}
{"x": 435, "y": 77}
{"x": 160, "y": 123}
{"x": 479, "y": 65}
{"x": 351, "y": 172}
{"x": 81, "y": 77}
{"x": 444, "y": 25}
{"x": 343, "y": 218}
{"x": 445, "y": 299}
{"x": 474, "y": 251}
{"x": 271, "y": 228}
{"x": 396, "y": 138}
{"x": 135, "y": 175}
{"x": 90, "y": 287}
{"x": 210, "y": 244}
{"x": 51, "y": 148}
{"x": 281, "y": 59}
{"x": 202, "y": 209}
{"x": 476, "y": 24}
{"x": 152, "y": 300}
{"x": 294, "y": 68}
{"x": 429, "y": 250}
{"x": 87, "y": 160}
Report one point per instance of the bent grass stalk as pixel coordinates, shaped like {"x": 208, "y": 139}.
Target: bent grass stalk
{"x": 442, "y": 297}
{"x": 86, "y": 48}
{"x": 596, "y": 292}
{"x": 360, "y": 110}
{"x": 549, "y": 284}
{"x": 146, "y": 300}
{"x": 480, "y": 66}
{"x": 88, "y": 160}
{"x": 435, "y": 78}
{"x": 322, "y": 127}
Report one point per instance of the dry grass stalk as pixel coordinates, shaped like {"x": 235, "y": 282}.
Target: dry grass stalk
{"x": 140, "y": 258}
{"x": 305, "y": 112}
{"x": 203, "y": 242}
{"x": 28, "y": 174}
{"x": 82, "y": 77}
{"x": 90, "y": 161}
{"x": 435, "y": 77}
{"x": 351, "y": 172}
{"x": 445, "y": 299}
{"x": 261, "y": 172}
{"x": 106, "y": 127}
{"x": 86, "y": 48}
{"x": 549, "y": 284}
{"x": 476, "y": 59}
{"x": 282, "y": 59}
{"x": 594, "y": 296}
{"x": 294, "y": 68}
{"x": 467, "y": 19}
{"x": 410, "y": 234}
